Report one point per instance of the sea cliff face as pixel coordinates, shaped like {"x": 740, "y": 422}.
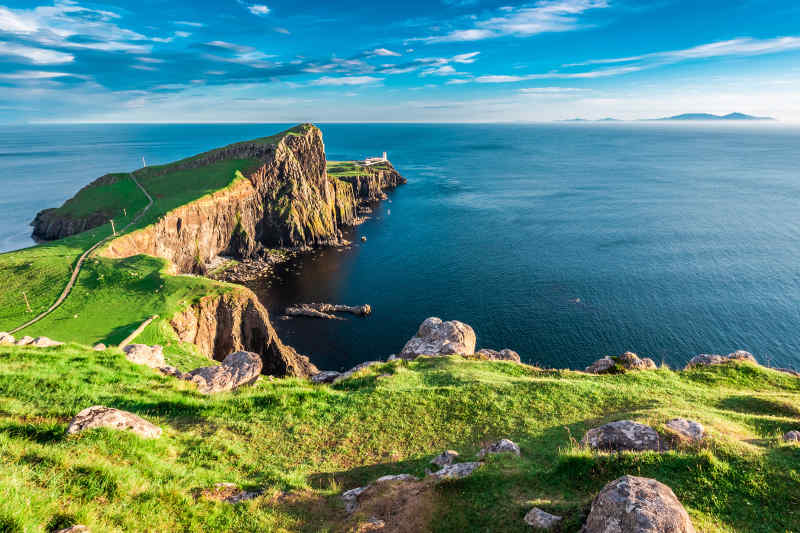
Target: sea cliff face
{"x": 288, "y": 201}
{"x": 221, "y": 325}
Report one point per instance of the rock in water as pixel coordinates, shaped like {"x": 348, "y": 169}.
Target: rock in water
{"x": 626, "y": 361}
{"x": 792, "y": 436}
{"x": 142, "y": 354}
{"x": 456, "y": 471}
{"x": 621, "y": 436}
{"x": 99, "y": 416}
{"x": 688, "y": 429}
{"x": 436, "y": 337}
{"x": 541, "y": 519}
{"x": 637, "y": 504}
{"x": 445, "y": 458}
{"x": 714, "y": 359}
{"x": 501, "y": 446}
{"x": 239, "y": 368}
{"x": 502, "y": 355}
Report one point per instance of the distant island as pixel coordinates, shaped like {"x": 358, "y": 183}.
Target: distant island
{"x": 685, "y": 116}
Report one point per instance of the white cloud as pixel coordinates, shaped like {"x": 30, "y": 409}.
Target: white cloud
{"x": 346, "y": 80}
{"x": 144, "y": 67}
{"x": 258, "y": 9}
{"x": 149, "y": 60}
{"x": 465, "y": 58}
{"x": 182, "y": 34}
{"x": 457, "y": 82}
{"x": 34, "y": 75}
{"x": 600, "y": 73}
{"x": 552, "y": 90}
{"x": 189, "y": 23}
{"x": 38, "y": 56}
{"x": 444, "y": 70}
{"x": 283, "y": 31}
{"x": 544, "y": 16}
{"x": 383, "y": 52}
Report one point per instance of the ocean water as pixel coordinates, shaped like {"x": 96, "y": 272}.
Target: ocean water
{"x": 565, "y": 242}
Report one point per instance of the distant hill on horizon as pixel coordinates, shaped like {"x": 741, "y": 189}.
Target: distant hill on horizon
{"x": 684, "y": 116}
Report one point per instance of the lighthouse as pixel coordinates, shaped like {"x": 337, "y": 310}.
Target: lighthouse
{"x": 384, "y": 156}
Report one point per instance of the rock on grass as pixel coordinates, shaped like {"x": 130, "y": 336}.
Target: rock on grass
{"x": 99, "y": 416}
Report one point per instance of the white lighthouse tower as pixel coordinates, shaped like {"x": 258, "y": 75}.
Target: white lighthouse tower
{"x": 384, "y": 156}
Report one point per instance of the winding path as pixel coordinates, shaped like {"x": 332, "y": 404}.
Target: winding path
{"x": 77, "y": 270}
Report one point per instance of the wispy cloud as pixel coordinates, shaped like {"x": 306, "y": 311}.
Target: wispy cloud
{"x": 189, "y": 23}
{"x": 346, "y": 80}
{"x": 383, "y": 52}
{"x": 543, "y": 17}
{"x": 599, "y": 73}
{"x": 258, "y": 9}
{"x": 38, "y": 56}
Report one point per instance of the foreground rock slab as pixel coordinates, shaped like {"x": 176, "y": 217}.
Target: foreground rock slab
{"x": 714, "y": 359}
{"x": 501, "y": 446}
{"x": 44, "y": 342}
{"x": 436, "y": 337}
{"x": 637, "y": 504}
{"x": 236, "y": 370}
{"x": 687, "y": 429}
{"x": 99, "y": 416}
{"x": 623, "y": 435}
{"x": 541, "y": 519}
{"x": 456, "y": 471}
{"x": 142, "y": 354}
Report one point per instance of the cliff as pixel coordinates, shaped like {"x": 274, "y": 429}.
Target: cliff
{"x": 221, "y": 325}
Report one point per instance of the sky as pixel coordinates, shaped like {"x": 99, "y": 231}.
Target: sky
{"x": 408, "y": 61}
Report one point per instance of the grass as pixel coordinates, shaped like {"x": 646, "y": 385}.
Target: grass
{"x": 341, "y": 169}
{"x": 305, "y": 444}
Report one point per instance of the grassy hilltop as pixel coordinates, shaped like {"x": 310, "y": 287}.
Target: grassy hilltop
{"x": 304, "y": 445}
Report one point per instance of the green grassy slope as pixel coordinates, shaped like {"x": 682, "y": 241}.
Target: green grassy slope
{"x": 340, "y": 169}
{"x": 306, "y": 444}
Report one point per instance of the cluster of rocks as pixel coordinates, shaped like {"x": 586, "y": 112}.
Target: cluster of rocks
{"x": 627, "y": 435}
{"x": 619, "y": 364}
{"x": 714, "y": 359}
{"x": 257, "y": 267}
{"x": 27, "y": 340}
{"x": 324, "y": 310}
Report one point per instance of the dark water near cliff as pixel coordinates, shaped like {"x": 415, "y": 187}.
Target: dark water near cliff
{"x": 563, "y": 242}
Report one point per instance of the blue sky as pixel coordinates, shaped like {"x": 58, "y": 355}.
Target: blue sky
{"x": 428, "y": 61}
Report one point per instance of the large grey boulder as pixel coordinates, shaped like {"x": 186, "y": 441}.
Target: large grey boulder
{"x": 637, "y": 505}
{"x": 142, "y": 354}
{"x": 6, "y": 338}
{"x": 622, "y": 435}
{"x": 792, "y": 436}
{"x": 501, "y": 446}
{"x": 541, "y": 519}
{"x": 626, "y": 361}
{"x": 687, "y": 429}
{"x": 436, "y": 337}
{"x": 715, "y": 359}
{"x": 236, "y": 370}
{"x": 456, "y": 471}
{"x": 502, "y": 355}
{"x": 99, "y": 416}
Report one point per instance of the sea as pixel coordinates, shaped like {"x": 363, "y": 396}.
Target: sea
{"x": 565, "y": 242}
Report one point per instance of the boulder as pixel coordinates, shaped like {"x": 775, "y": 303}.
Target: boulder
{"x": 24, "y": 341}
{"x": 637, "y": 504}
{"x": 170, "y": 371}
{"x": 44, "y": 342}
{"x": 687, "y": 429}
{"x": 445, "y": 458}
{"x": 456, "y": 471}
{"x": 326, "y": 376}
{"x": 99, "y": 347}
{"x": 6, "y": 338}
{"x": 714, "y": 359}
{"x": 622, "y": 435}
{"x": 501, "y": 446}
{"x": 99, "y": 416}
{"x": 541, "y": 519}
{"x": 236, "y": 370}
{"x": 350, "y": 498}
{"x": 792, "y": 436}
{"x": 396, "y": 477}
{"x": 626, "y": 361}
{"x": 77, "y": 528}
{"x": 142, "y": 354}
{"x": 502, "y": 355}
{"x": 436, "y": 337}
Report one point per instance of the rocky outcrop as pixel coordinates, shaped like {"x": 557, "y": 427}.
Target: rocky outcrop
{"x": 502, "y": 355}
{"x": 436, "y": 337}
{"x": 792, "y": 436}
{"x": 688, "y": 430}
{"x": 370, "y": 185}
{"x": 323, "y": 310}
{"x": 619, "y": 364}
{"x": 326, "y": 376}
{"x": 235, "y": 321}
{"x": 445, "y": 458}
{"x": 637, "y": 504}
{"x": 456, "y": 470}
{"x": 541, "y": 519}
{"x": 99, "y": 416}
{"x": 236, "y": 370}
{"x": 142, "y": 354}
{"x": 288, "y": 200}
{"x": 623, "y": 435}
{"x": 714, "y": 359}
